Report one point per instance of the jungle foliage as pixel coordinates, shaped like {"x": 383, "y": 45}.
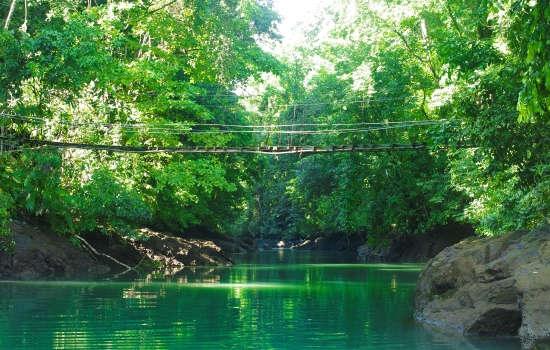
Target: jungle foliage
{"x": 77, "y": 70}
{"x": 481, "y": 66}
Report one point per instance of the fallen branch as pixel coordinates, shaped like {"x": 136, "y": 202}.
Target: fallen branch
{"x": 128, "y": 270}
{"x": 94, "y": 251}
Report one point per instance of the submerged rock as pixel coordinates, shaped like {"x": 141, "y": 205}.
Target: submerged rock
{"x": 491, "y": 287}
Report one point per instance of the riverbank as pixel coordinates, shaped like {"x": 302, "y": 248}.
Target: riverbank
{"x": 415, "y": 248}
{"x": 40, "y": 254}
{"x": 491, "y": 287}
{"x": 395, "y": 248}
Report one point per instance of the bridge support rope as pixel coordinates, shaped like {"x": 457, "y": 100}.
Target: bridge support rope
{"x": 273, "y": 150}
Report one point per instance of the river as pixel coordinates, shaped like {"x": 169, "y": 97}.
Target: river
{"x": 271, "y": 300}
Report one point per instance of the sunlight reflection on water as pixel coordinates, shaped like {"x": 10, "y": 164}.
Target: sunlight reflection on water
{"x": 285, "y": 302}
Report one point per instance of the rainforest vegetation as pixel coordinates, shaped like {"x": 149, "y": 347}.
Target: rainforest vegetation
{"x": 470, "y": 79}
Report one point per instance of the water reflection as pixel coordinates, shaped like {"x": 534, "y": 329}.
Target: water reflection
{"x": 283, "y": 302}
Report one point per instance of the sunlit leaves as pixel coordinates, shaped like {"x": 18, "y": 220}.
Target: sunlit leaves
{"x": 106, "y": 205}
{"x": 473, "y": 63}
{"x": 529, "y": 33}
{"x": 130, "y": 73}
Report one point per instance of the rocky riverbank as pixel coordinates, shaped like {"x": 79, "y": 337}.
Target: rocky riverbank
{"x": 415, "y": 248}
{"x": 491, "y": 287}
{"x": 40, "y": 254}
{"x": 397, "y": 248}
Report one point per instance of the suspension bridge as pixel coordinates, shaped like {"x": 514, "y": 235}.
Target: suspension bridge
{"x": 17, "y": 143}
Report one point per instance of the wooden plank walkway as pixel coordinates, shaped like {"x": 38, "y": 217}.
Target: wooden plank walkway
{"x": 270, "y": 150}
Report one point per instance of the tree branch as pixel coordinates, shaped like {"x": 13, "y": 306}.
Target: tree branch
{"x": 424, "y": 104}
{"x": 24, "y": 26}
{"x": 94, "y": 251}
{"x": 10, "y": 13}
{"x": 405, "y": 42}
{"x": 453, "y": 18}
{"x": 128, "y": 270}
{"x": 402, "y": 37}
{"x": 162, "y": 7}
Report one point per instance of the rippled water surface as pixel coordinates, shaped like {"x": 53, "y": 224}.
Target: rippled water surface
{"x": 275, "y": 300}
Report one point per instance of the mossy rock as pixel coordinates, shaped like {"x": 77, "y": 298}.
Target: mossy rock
{"x": 448, "y": 294}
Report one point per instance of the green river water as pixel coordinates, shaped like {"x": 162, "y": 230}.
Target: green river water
{"x": 273, "y": 300}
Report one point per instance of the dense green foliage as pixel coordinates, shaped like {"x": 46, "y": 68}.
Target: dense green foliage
{"x": 78, "y": 71}
{"x": 483, "y": 66}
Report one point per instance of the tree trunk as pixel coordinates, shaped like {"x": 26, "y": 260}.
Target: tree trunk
{"x": 10, "y": 13}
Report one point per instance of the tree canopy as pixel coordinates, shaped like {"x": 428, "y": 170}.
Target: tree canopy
{"x": 480, "y": 66}
{"x": 445, "y": 73}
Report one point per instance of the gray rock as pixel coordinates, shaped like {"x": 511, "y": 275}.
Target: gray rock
{"x": 490, "y": 287}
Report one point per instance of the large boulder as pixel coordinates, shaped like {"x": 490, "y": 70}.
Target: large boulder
{"x": 491, "y": 287}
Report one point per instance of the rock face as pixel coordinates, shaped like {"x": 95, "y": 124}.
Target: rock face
{"x": 415, "y": 248}
{"x": 39, "y": 255}
{"x": 491, "y": 287}
{"x": 172, "y": 254}
{"x": 42, "y": 255}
